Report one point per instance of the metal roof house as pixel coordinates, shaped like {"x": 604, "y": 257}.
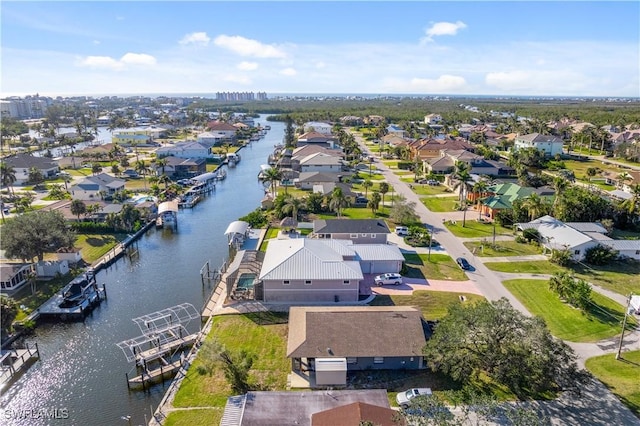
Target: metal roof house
{"x": 322, "y": 270}
{"x": 578, "y": 237}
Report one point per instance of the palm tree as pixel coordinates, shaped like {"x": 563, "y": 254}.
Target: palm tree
{"x": 632, "y": 205}
{"x": 383, "y": 189}
{"x": 463, "y": 179}
{"x": 78, "y": 207}
{"x": 292, "y": 206}
{"x": 8, "y": 174}
{"x": 366, "y": 184}
{"x": 374, "y": 203}
{"x": 535, "y": 205}
{"x": 164, "y": 179}
{"x": 162, "y": 163}
{"x": 142, "y": 168}
{"x": 338, "y": 201}
{"x": 479, "y": 188}
{"x": 272, "y": 176}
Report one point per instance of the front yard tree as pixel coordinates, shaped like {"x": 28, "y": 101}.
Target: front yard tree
{"x": 8, "y": 312}
{"x": 512, "y": 349}
{"x": 31, "y": 235}
{"x": 404, "y": 212}
{"x": 78, "y": 208}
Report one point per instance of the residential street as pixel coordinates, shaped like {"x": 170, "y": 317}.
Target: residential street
{"x": 597, "y": 405}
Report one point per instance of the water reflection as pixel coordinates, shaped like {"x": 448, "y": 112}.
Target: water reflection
{"x": 82, "y": 370}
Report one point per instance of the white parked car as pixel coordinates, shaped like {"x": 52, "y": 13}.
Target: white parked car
{"x": 391, "y": 278}
{"x": 402, "y": 231}
{"x": 404, "y": 398}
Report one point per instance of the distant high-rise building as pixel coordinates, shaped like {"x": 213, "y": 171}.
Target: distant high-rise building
{"x": 240, "y": 96}
{"x": 18, "y": 108}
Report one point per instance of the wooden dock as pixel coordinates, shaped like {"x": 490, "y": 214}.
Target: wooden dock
{"x": 155, "y": 375}
{"x": 14, "y": 362}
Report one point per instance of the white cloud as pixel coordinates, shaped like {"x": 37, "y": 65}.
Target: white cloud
{"x": 100, "y": 62}
{"x": 320, "y": 64}
{"x": 248, "y": 47}
{"x": 444, "y": 28}
{"x": 198, "y": 39}
{"x": 247, "y": 66}
{"x": 107, "y": 62}
{"x": 289, "y": 72}
{"x": 138, "y": 59}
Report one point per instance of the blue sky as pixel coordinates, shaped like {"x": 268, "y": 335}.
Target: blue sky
{"x": 483, "y": 48}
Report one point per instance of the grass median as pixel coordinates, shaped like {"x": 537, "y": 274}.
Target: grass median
{"x": 436, "y": 267}
{"x": 621, "y": 376}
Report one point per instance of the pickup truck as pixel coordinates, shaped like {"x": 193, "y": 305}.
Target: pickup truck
{"x": 404, "y": 398}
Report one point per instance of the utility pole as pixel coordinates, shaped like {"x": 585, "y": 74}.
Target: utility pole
{"x": 624, "y": 325}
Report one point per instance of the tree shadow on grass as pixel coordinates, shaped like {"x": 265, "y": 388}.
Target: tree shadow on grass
{"x": 98, "y": 241}
{"x": 605, "y": 315}
{"x": 268, "y": 317}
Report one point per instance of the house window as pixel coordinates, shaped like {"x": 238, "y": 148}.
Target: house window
{"x": 363, "y": 235}
{"x": 576, "y": 252}
{"x": 307, "y": 282}
{"x": 378, "y": 360}
{"x": 637, "y": 251}
{"x": 352, "y": 360}
{"x": 345, "y": 282}
{"x": 353, "y": 235}
{"x": 286, "y": 282}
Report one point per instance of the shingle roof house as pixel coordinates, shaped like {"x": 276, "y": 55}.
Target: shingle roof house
{"x": 359, "y": 231}
{"x": 337, "y": 332}
{"x": 21, "y": 164}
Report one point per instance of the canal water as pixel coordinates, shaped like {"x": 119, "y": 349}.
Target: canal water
{"x": 81, "y": 373}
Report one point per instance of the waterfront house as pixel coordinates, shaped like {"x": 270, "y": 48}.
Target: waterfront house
{"x": 14, "y": 275}
{"x": 101, "y": 186}
{"x": 354, "y": 338}
{"x": 188, "y": 149}
{"x": 547, "y": 144}
{"x": 360, "y": 231}
{"x": 318, "y": 126}
{"x": 211, "y": 138}
{"x": 316, "y": 138}
{"x": 320, "y": 162}
{"x": 312, "y": 408}
{"x": 578, "y": 237}
{"x": 310, "y": 179}
{"x": 310, "y": 270}
{"x": 322, "y": 270}
{"x": 180, "y": 168}
{"x": 22, "y": 163}
{"x": 297, "y": 155}
{"x": 222, "y": 128}
{"x": 138, "y": 135}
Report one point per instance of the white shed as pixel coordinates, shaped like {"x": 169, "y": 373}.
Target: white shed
{"x": 331, "y": 371}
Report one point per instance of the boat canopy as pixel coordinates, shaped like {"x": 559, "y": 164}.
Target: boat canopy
{"x": 168, "y": 206}
{"x": 205, "y": 177}
{"x": 237, "y": 227}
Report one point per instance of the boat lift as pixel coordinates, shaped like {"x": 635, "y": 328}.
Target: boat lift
{"x": 164, "y": 334}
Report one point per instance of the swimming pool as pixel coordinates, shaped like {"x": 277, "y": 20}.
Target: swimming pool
{"x": 246, "y": 280}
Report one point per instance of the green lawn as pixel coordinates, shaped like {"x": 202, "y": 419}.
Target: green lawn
{"x": 421, "y": 189}
{"x": 265, "y": 335}
{"x": 621, "y": 376}
{"x": 195, "y": 417}
{"x": 272, "y": 232}
{"x": 621, "y": 277}
{"x": 475, "y": 229}
{"x": 438, "y": 267}
{"x": 565, "y": 322}
{"x": 354, "y": 213}
{"x": 94, "y": 246}
{"x": 529, "y": 267}
{"x": 433, "y": 304}
{"x": 441, "y": 204}
{"x": 501, "y": 248}
{"x": 579, "y": 168}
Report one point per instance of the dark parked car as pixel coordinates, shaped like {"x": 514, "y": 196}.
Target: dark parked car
{"x": 463, "y": 263}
